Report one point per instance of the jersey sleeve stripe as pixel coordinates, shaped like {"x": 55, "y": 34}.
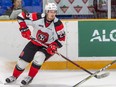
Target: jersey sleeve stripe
{"x": 19, "y": 18}
{"x": 62, "y": 39}
{"x": 23, "y": 15}
{"x": 34, "y": 16}
{"x": 23, "y": 25}
{"x": 60, "y": 27}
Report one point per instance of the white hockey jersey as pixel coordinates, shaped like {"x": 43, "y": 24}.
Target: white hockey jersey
{"x": 47, "y": 35}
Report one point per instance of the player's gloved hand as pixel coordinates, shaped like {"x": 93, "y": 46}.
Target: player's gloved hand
{"x": 26, "y": 34}
{"x": 52, "y": 48}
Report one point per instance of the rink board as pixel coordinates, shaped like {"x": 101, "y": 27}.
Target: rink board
{"x": 57, "y": 65}
{"x": 12, "y": 45}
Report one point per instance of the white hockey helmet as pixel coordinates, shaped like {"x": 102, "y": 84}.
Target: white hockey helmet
{"x": 50, "y": 6}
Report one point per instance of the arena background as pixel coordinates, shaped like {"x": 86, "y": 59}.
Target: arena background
{"x": 78, "y": 46}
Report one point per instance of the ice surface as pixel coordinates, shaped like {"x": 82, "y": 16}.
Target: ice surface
{"x": 1, "y": 85}
{"x": 59, "y": 78}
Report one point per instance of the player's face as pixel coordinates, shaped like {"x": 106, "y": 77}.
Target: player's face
{"x": 51, "y": 14}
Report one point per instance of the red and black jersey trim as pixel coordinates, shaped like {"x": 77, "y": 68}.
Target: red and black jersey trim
{"x": 56, "y": 42}
{"x": 36, "y": 16}
{"x": 36, "y": 66}
{"x": 18, "y": 68}
{"x": 62, "y": 36}
{"x": 39, "y": 15}
{"x": 23, "y": 30}
{"x": 58, "y": 25}
{"x": 19, "y": 18}
{"x": 23, "y": 26}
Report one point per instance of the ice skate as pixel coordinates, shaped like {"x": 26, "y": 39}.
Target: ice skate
{"x": 10, "y": 79}
{"x": 27, "y": 80}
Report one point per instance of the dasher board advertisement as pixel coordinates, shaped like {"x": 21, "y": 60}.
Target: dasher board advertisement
{"x": 97, "y": 38}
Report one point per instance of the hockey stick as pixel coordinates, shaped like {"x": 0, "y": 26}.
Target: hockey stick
{"x": 89, "y": 77}
{"x": 96, "y": 76}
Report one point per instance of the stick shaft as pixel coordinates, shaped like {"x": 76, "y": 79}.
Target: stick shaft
{"x": 75, "y": 64}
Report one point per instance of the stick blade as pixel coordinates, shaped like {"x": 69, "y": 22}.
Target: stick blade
{"x": 103, "y": 75}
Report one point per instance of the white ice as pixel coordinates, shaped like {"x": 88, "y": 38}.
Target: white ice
{"x": 60, "y": 78}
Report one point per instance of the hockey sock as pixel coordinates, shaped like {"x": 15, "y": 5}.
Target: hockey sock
{"x": 34, "y": 70}
{"x": 17, "y": 71}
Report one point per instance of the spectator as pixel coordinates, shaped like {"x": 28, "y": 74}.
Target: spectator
{"x": 15, "y": 9}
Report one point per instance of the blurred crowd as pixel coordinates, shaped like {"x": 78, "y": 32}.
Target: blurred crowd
{"x": 9, "y": 9}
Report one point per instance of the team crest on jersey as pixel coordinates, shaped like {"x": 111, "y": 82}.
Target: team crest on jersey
{"x": 42, "y": 36}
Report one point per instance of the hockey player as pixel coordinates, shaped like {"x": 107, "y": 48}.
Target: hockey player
{"x": 47, "y": 29}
